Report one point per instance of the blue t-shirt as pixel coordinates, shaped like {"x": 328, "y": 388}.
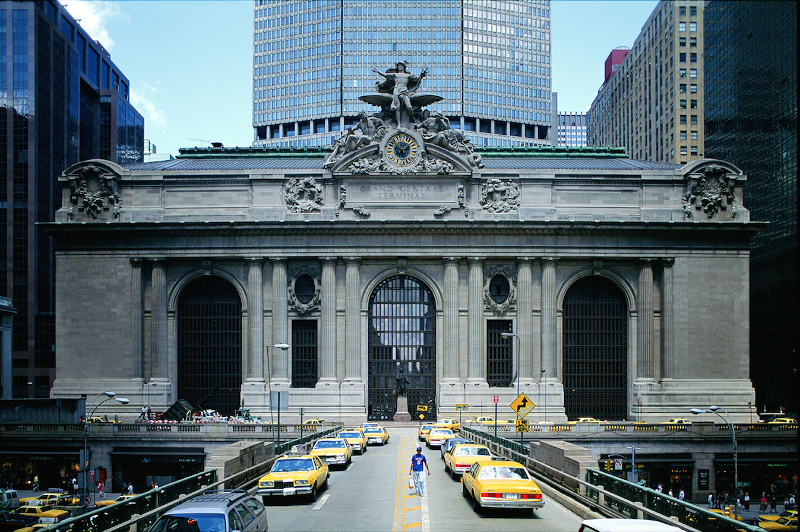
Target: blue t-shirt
{"x": 417, "y": 462}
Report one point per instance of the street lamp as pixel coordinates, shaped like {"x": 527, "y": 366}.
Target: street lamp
{"x": 713, "y": 409}
{"x": 633, "y": 477}
{"x": 92, "y": 408}
{"x": 269, "y": 384}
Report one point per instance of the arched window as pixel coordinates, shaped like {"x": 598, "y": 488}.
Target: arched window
{"x": 595, "y": 357}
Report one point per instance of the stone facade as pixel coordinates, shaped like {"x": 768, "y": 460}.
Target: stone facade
{"x": 673, "y": 240}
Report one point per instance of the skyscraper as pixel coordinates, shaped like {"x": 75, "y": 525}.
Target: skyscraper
{"x": 572, "y": 129}
{"x": 751, "y": 121}
{"x": 651, "y": 101}
{"x": 490, "y": 60}
{"x": 62, "y": 100}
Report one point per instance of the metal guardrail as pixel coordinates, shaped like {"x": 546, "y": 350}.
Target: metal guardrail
{"x": 637, "y": 497}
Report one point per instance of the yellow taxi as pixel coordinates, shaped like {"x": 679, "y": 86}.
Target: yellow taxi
{"x": 583, "y": 420}
{"x": 788, "y": 514}
{"x": 376, "y": 435}
{"x": 109, "y": 502}
{"x": 437, "y": 436}
{"x": 333, "y": 451}
{"x": 460, "y": 458}
{"x": 356, "y": 439}
{"x": 423, "y": 431}
{"x": 783, "y": 421}
{"x": 294, "y": 475}
{"x": 501, "y": 484}
{"x": 676, "y": 421}
{"x": 449, "y": 423}
{"x": 41, "y": 511}
{"x": 44, "y": 498}
{"x": 484, "y": 420}
{"x": 781, "y": 524}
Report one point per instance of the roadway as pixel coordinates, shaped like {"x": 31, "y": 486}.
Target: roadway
{"x": 373, "y": 494}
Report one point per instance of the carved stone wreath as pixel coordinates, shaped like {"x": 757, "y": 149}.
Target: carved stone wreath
{"x": 294, "y": 273}
{"x": 91, "y": 188}
{"x": 499, "y": 196}
{"x": 304, "y": 195}
{"x": 712, "y": 190}
{"x": 511, "y": 276}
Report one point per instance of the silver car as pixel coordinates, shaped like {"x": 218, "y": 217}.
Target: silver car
{"x": 217, "y": 511}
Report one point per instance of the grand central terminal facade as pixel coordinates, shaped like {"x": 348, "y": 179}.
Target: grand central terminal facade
{"x": 231, "y": 274}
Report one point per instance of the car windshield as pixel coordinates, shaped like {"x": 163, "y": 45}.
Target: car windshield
{"x": 441, "y": 431}
{"x": 190, "y": 523}
{"x": 509, "y": 472}
{"x": 372, "y": 430}
{"x": 294, "y": 464}
{"x": 349, "y": 435}
{"x": 426, "y": 427}
{"x": 328, "y": 444}
{"x": 475, "y": 451}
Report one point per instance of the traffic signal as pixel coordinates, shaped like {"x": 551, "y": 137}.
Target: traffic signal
{"x": 608, "y": 465}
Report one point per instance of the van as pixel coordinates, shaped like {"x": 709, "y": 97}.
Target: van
{"x": 9, "y": 499}
{"x": 625, "y": 525}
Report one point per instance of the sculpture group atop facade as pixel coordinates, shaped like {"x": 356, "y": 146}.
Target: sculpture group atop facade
{"x": 402, "y": 110}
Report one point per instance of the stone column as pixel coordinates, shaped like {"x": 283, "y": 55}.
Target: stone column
{"x": 327, "y": 359}
{"x": 159, "y": 353}
{"x": 136, "y": 317}
{"x": 255, "y": 320}
{"x": 450, "y": 320}
{"x": 525, "y": 318}
{"x": 549, "y": 327}
{"x": 352, "y": 370}
{"x": 668, "y": 320}
{"x": 645, "y": 321}
{"x": 476, "y": 367}
{"x": 280, "y": 321}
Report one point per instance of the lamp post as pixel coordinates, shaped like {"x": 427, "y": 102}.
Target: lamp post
{"x": 633, "y": 476}
{"x": 519, "y": 356}
{"x": 90, "y": 413}
{"x": 713, "y": 409}
{"x": 269, "y": 385}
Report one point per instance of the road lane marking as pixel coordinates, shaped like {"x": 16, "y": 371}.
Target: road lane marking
{"x": 426, "y": 524}
{"x": 321, "y": 501}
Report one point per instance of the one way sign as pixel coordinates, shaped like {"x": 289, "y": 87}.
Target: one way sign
{"x": 522, "y": 406}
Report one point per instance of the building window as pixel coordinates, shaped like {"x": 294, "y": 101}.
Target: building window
{"x": 692, "y": 11}
{"x": 682, "y": 72}
{"x": 304, "y": 353}
{"x": 682, "y": 57}
{"x": 692, "y": 41}
{"x": 693, "y": 58}
{"x": 499, "y": 353}
{"x": 499, "y": 288}
{"x": 304, "y": 288}
{"x": 681, "y": 26}
{"x": 683, "y": 135}
{"x": 694, "y": 150}
{"x": 693, "y": 26}
{"x": 683, "y": 119}
{"x": 683, "y": 104}
{"x": 682, "y": 88}
{"x": 694, "y": 135}
{"x": 693, "y": 120}
{"x": 692, "y": 72}
{"x": 682, "y": 11}
{"x": 683, "y": 150}
{"x": 694, "y": 104}
{"x": 681, "y": 41}
{"x": 693, "y": 88}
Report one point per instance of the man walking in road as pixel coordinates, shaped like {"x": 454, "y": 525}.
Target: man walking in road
{"x": 417, "y": 462}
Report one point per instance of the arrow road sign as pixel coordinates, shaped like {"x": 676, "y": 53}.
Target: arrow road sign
{"x": 522, "y": 406}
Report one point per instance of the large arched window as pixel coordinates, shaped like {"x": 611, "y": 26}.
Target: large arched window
{"x": 595, "y": 350}
{"x": 210, "y": 345}
{"x": 402, "y": 334}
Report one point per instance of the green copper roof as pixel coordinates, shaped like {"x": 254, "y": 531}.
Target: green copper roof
{"x": 525, "y": 152}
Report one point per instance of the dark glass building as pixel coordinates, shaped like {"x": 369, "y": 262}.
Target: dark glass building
{"x": 751, "y": 121}
{"x": 62, "y": 100}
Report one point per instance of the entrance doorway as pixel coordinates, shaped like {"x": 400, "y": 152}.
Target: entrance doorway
{"x": 210, "y": 345}
{"x": 595, "y": 350}
{"x": 402, "y": 335}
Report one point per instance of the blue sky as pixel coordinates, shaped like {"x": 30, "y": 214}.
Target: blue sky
{"x": 190, "y": 62}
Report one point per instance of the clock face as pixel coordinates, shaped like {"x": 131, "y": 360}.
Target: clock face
{"x": 402, "y": 149}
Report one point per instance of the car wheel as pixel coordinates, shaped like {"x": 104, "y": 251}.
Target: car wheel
{"x": 313, "y": 495}
{"x": 453, "y": 474}
{"x": 464, "y": 491}
{"x": 266, "y": 499}
{"x": 478, "y": 505}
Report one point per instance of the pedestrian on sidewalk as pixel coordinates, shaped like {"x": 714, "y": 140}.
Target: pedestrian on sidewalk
{"x": 101, "y": 490}
{"x": 417, "y": 462}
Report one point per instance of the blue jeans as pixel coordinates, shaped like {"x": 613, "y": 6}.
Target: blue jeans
{"x": 419, "y": 481}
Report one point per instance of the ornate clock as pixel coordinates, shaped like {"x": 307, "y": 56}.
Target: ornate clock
{"x": 402, "y": 149}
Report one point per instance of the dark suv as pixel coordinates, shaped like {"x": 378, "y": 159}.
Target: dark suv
{"x": 215, "y": 511}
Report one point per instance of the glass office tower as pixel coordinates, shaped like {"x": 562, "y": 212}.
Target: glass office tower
{"x": 490, "y": 60}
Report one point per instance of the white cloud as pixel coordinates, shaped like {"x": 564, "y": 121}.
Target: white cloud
{"x": 93, "y": 16}
{"x": 143, "y": 98}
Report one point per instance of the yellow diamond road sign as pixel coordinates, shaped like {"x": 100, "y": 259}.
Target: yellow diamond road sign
{"x": 522, "y": 406}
